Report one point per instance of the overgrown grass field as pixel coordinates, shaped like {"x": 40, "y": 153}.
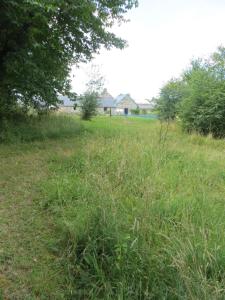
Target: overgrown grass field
{"x": 115, "y": 208}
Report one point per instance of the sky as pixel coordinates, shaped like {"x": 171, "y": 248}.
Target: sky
{"x": 163, "y": 37}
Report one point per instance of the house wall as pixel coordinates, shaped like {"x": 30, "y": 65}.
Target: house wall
{"x": 101, "y": 110}
{"x": 147, "y": 107}
{"x": 119, "y": 110}
{"x": 126, "y": 103}
{"x": 70, "y": 110}
{"x": 67, "y": 109}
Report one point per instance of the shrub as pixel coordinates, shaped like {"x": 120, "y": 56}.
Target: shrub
{"x": 89, "y": 105}
{"x": 144, "y": 111}
{"x": 135, "y": 111}
{"x": 203, "y": 107}
{"x": 198, "y": 98}
{"x": 171, "y": 95}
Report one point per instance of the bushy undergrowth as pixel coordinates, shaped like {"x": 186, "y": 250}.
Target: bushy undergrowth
{"x": 22, "y": 128}
{"x": 197, "y": 97}
{"x": 137, "y": 219}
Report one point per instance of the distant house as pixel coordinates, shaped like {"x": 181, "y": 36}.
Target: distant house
{"x": 124, "y": 104}
{"x": 121, "y": 105}
{"x": 66, "y": 105}
{"x": 145, "y": 105}
{"x": 106, "y": 103}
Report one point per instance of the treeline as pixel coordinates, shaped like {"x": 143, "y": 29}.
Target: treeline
{"x": 197, "y": 98}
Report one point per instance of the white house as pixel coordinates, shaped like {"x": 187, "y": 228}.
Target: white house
{"x": 124, "y": 104}
{"x": 66, "y": 105}
{"x": 106, "y": 103}
{"x": 146, "y": 105}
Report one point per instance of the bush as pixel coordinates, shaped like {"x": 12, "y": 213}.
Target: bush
{"x": 89, "y": 105}
{"x": 144, "y": 111}
{"x": 203, "y": 107}
{"x": 135, "y": 111}
{"x": 198, "y": 98}
{"x": 171, "y": 95}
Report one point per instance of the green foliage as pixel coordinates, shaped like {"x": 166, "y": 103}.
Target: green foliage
{"x": 203, "y": 108}
{"x": 40, "y": 40}
{"x": 144, "y": 111}
{"x": 89, "y": 101}
{"x": 198, "y": 98}
{"x": 170, "y": 96}
{"x": 135, "y": 111}
{"x": 89, "y": 105}
{"x": 23, "y": 128}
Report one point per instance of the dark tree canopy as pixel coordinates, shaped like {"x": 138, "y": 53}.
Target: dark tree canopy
{"x": 41, "y": 39}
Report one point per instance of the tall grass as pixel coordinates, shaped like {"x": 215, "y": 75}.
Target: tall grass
{"x": 35, "y": 128}
{"x": 138, "y": 219}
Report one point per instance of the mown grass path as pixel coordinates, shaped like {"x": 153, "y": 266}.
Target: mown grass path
{"x": 27, "y": 269}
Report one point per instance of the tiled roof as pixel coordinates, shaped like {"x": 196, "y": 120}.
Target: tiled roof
{"x": 106, "y": 100}
{"x": 145, "y": 105}
{"x": 65, "y": 101}
{"x": 120, "y": 98}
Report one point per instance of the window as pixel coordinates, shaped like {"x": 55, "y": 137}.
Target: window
{"x": 105, "y": 108}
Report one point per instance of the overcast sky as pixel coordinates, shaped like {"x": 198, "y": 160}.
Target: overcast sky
{"x": 163, "y": 36}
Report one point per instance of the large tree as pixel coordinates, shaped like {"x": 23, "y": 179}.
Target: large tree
{"x": 41, "y": 39}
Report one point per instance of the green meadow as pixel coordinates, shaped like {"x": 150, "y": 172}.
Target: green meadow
{"x": 115, "y": 208}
